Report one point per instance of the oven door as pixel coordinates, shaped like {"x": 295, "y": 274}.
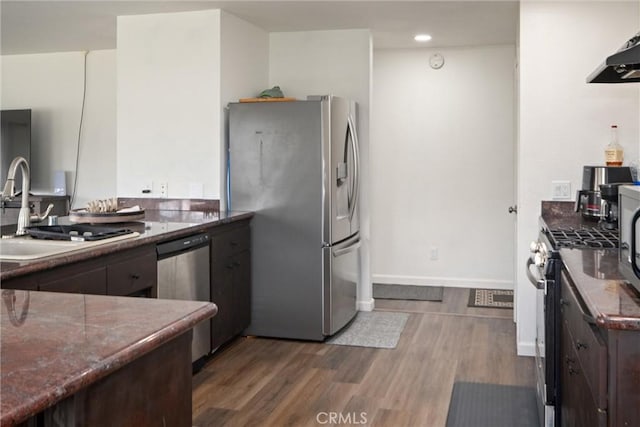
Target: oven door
{"x": 546, "y": 385}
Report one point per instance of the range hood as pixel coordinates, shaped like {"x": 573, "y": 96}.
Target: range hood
{"x": 621, "y": 67}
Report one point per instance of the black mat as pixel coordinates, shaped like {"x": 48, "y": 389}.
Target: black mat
{"x": 421, "y": 293}
{"x": 492, "y": 405}
{"x": 490, "y": 298}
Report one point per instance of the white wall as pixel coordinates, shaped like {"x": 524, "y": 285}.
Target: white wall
{"x": 51, "y": 85}
{"x": 168, "y": 101}
{"x": 442, "y": 151}
{"x": 338, "y": 63}
{"x": 244, "y": 73}
{"x": 564, "y": 122}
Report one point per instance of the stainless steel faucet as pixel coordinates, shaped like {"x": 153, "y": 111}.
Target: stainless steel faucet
{"x": 9, "y": 192}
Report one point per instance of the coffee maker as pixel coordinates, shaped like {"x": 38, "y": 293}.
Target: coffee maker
{"x": 609, "y": 194}
{"x": 598, "y": 198}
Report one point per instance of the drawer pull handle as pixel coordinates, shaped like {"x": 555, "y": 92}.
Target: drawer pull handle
{"x": 135, "y": 276}
{"x": 573, "y": 371}
{"x": 569, "y": 360}
{"x": 580, "y": 345}
{"x": 229, "y": 266}
{"x": 232, "y": 243}
{"x": 564, "y": 302}
{"x": 236, "y": 264}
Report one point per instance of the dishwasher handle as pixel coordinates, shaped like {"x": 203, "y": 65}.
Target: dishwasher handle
{"x": 185, "y": 244}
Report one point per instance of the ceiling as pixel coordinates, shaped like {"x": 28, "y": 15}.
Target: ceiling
{"x": 57, "y": 26}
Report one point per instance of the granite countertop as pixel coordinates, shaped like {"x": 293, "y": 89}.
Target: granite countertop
{"x": 613, "y": 303}
{"x": 611, "y": 300}
{"x": 157, "y": 226}
{"x": 54, "y": 344}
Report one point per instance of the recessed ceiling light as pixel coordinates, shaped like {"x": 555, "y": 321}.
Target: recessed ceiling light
{"x": 422, "y": 37}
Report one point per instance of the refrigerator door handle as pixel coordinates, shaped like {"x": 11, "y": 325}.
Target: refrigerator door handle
{"x": 356, "y": 167}
{"x": 352, "y": 247}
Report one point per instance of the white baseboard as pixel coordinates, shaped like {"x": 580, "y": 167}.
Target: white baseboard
{"x": 451, "y": 282}
{"x": 366, "y": 305}
{"x": 527, "y": 348}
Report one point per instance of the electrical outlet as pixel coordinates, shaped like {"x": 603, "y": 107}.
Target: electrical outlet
{"x": 164, "y": 190}
{"x": 434, "y": 253}
{"x": 561, "y": 190}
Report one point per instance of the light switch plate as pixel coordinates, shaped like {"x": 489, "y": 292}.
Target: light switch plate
{"x": 560, "y": 190}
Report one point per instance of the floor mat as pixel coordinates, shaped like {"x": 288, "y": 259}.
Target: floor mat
{"x": 407, "y": 292}
{"x": 492, "y": 405}
{"x": 490, "y": 298}
{"x": 379, "y": 329}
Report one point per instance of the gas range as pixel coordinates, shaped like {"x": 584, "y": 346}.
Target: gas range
{"x": 544, "y": 271}
{"x": 583, "y": 238}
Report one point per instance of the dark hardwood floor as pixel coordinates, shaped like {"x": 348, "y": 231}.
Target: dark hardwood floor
{"x": 268, "y": 382}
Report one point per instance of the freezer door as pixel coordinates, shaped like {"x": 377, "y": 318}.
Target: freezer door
{"x": 277, "y": 172}
{"x": 344, "y": 170}
{"x": 340, "y": 291}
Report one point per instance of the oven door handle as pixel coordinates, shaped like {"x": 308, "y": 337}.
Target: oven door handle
{"x": 535, "y": 281}
{"x": 633, "y": 238}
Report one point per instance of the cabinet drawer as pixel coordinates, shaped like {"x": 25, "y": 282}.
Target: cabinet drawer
{"x": 230, "y": 241}
{"x": 86, "y": 282}
{"x": 590, "y": 348}
{"x": 132, "y": 275}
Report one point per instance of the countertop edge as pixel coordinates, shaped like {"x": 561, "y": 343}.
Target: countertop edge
{"x": 108, "y": 365}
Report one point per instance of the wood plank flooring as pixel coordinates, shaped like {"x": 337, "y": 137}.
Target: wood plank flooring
{"x": 268, "y": 382}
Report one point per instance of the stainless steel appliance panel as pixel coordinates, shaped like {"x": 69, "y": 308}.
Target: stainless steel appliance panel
{"x": 629, "y": 205}
{"x": 340, "y": 292}
{"x": 185, "y": 276}
{"x": 276, "y": 170}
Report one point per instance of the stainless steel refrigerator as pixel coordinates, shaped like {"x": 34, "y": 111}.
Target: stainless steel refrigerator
{"x": 295, "y": 164}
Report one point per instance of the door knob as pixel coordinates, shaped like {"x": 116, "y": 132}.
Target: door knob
{"x": 513, "y": 209}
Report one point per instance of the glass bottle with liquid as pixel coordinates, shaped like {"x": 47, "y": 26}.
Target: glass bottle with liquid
{"x": 613, "y": 152}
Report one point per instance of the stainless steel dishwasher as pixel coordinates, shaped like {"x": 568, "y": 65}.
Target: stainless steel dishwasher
{"x": 183, "y": 274}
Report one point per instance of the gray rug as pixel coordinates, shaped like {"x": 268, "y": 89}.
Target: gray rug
{"x": 492, "y": 405}
{"x": 411, "y": 292}
{"x": 379, "y": 329}
{"x": 490, "y": 298}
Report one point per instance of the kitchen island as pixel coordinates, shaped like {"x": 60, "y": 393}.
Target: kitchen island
{"x": 72, "y": 359}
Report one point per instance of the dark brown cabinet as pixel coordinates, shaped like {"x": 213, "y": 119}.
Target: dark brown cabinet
{"x": 230, "y": 281}
{"x": 128, "y": 273}
{"x": 600, "y": 368}
{"x": 136, "y": 275}
{"x": 77, "y": 281}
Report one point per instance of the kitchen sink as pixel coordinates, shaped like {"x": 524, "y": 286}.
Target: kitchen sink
{"x": 28, "y": 248}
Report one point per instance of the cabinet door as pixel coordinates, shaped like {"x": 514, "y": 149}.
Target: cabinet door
{"x": 83, "y": 282}
{"x": 578, "y": 405}
{"x": 241, "y": 291}
{"x": 135, "y": 274}
{"x": 221, "y": 295}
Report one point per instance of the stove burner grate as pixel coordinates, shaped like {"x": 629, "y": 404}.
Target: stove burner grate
{"x": 584, "y": 238}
